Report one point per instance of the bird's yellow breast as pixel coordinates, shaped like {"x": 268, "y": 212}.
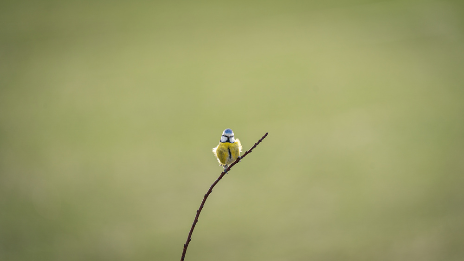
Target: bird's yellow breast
{"x": 227, "y": 152}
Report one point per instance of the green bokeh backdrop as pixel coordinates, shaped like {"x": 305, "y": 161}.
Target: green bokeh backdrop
{"x": 109, "y": 111}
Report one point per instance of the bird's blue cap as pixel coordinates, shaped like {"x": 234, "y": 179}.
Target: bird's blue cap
{"x": 228, "y": 131}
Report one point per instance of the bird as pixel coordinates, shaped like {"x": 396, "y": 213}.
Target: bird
{"x": 228, "y": 149}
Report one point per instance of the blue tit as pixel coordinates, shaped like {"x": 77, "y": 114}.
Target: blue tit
{"x": 228, "y": 149}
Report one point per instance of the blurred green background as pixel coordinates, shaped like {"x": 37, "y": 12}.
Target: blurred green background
{"x": 109, "y": 111}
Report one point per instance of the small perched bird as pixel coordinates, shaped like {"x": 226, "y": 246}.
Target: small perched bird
{"x": 228, "y": 149}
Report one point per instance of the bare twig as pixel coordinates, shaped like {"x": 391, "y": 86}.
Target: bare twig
{"x": 189, "y": 238}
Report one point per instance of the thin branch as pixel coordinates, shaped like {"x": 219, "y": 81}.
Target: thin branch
{"x": 189, "y": 238}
